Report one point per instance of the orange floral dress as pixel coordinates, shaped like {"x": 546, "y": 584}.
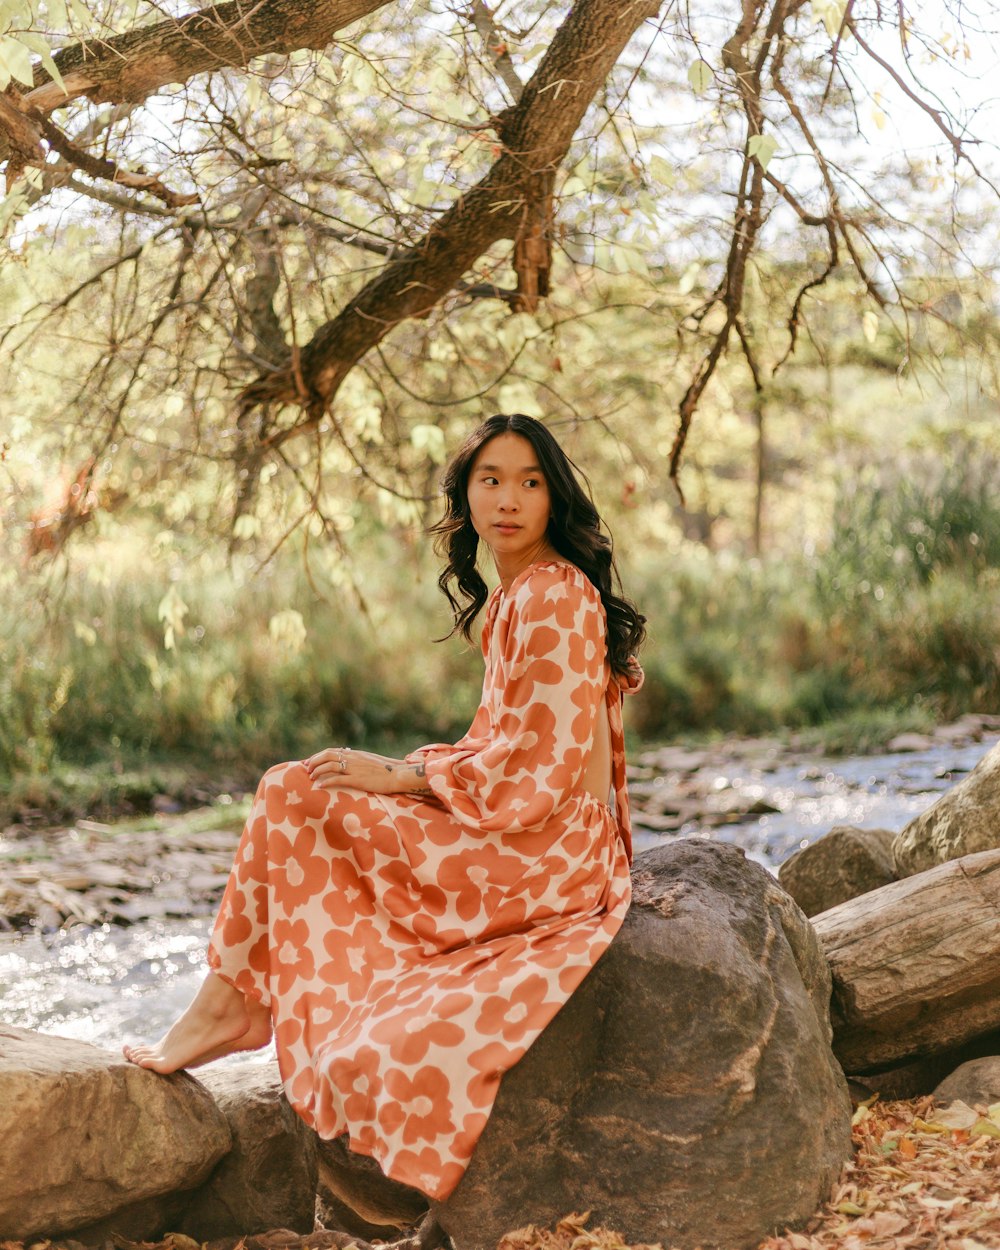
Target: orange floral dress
{"x": 412, "y": 947}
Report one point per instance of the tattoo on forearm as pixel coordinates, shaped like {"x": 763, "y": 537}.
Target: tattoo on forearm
{"x": 421, "y": 785}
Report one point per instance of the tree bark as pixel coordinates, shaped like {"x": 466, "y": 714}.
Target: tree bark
{"x": 916, "y": 964}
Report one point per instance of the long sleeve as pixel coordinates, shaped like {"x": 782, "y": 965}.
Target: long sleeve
{"x": 545, "y": 683}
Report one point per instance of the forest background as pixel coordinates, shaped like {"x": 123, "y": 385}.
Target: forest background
{"x": 262, "y": 273}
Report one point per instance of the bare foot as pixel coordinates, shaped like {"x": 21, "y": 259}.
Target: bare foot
{"x": 219, "y": 1021}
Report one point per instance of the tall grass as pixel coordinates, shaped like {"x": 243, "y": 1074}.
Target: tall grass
{"x": 900, "y": 610}
{"x": 899, "y": 614}
{"x": 86, "y": 675}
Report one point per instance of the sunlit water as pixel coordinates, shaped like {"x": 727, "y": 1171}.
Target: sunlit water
{"x": 813, "y": 795}
{"x": 115, "y": 984}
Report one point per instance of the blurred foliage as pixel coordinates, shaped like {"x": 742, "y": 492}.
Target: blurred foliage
{"x": 836, "y": 560}
{"x": 129, "y": 327}
{"x": 855, "y": 634}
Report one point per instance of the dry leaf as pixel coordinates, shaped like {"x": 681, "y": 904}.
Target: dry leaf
{"x": 956, "y": 1115}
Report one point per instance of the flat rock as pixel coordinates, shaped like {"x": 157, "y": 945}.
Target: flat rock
{"x": 676, "y": 759}
{"x": 907, "y": 742}
{"x": 269, "y": 1177}
{"x": 966, "y": 729}
{"x": 843, "y": 864}
{"x": 966, "y": 819}
{"x": 975, "y": 1082}
{"x": 84, "y": 1134}
{"x": 659, "y": 1096}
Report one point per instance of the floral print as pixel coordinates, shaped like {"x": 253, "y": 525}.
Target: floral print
{"x": 412, "y": 947}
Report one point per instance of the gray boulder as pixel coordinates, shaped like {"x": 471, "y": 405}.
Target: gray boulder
{"x": 975, "y": 1082}
{"x": 268, "y": 1180}
{"x": 83, "y": 1134}
{"x": 841, "y": 865}
{"x": 687, "y": 1093}
{"x": 964, "y": 820}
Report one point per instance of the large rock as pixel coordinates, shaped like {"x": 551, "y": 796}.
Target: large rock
{"x": 686, "y": 1093}
{"x": 840, "y": 866}
{"x": 964, "y": 820}
{"x": 922, "y": 1076}
{"x": 268, "y": 1180}
{"x": 84, "y": 1134}
{"x": 975, "y": 1082}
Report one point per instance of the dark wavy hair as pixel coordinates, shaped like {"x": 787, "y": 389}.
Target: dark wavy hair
{"x": 575, "y": 531}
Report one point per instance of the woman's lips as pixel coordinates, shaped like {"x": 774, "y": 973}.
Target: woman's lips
{"x": 506, "y": 527}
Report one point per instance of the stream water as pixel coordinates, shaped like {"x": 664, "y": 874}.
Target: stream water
{"x": 118, "y": 983}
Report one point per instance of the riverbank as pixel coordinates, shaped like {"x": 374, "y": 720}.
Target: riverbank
{"x": 113, "y": 789}
{"x": 914, "y": 1181}
{"x": 769, "y": 795}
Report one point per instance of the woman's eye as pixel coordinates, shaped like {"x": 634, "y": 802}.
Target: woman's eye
{"x": 532, "y": 481}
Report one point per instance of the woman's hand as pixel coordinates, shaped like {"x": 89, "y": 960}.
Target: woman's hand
{"x": 365, "y": 770}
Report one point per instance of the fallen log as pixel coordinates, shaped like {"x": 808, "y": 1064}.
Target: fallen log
{"x": 916, "y": 964}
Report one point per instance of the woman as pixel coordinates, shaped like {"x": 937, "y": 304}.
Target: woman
{"x": 409, "y": 927}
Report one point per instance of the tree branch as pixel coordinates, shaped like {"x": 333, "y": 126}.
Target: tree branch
{"x": 536, "y": 135}
{"x": 749, "y": 208}
{"x": 496, "y": 46}
{"x": 936, "y": 115}
{"x": 102, "y": 167}
{"x": 128, "y": 68}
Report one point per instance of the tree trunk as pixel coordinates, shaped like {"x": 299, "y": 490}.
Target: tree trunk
{"x": 916, "y": 964}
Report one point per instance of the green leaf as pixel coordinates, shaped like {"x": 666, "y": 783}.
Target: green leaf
{"x": 429, "y": 439}
{"x": 246, "y": 526}
{"x": 288, "y": 630}
{"x": 172, "y": 610}
{"x": 55, "y": 11}
{"x": 39, "y": 44}
{"x": 830, "y": 13}
{"x": 13, "y": 203}
{"x": 16, "y": 60}
{"x": 661, "y": 171}
{"x": 85, "y": 633}
{"x": 689, "y": 277}
{"x": 763, "y": 147}
{"x": 12, "y": 9}
{"x": 700, "y": 76}
{"x": 80, "y": 13}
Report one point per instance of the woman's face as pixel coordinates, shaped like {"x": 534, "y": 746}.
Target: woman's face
{"x": 509, "y": 500}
